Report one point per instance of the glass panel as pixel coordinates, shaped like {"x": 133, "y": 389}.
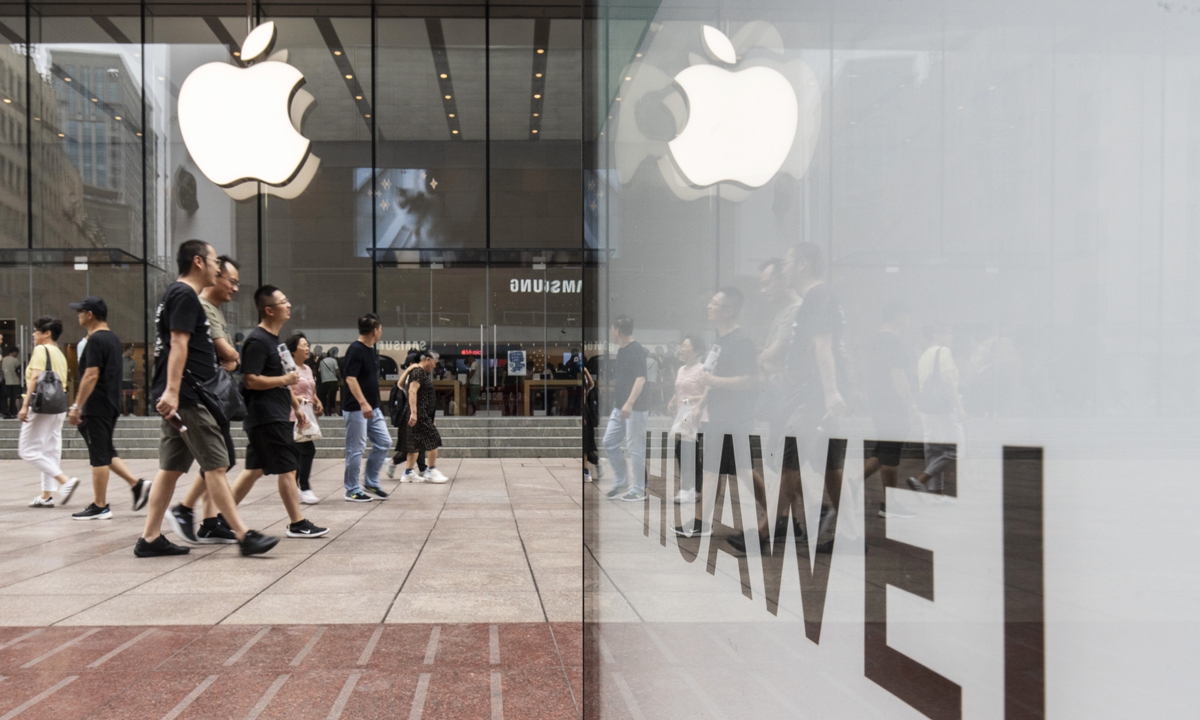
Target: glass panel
{"x": 87, "y": 139}
{"x": 429, "y": 188}
{"x": 536, "y": 116}
{"x": 309, "y": 242}
{"x": 14, "y": 181}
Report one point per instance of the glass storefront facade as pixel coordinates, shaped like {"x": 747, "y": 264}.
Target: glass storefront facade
{"x": 448, "y": 196}
{"x": 964, "y": 230}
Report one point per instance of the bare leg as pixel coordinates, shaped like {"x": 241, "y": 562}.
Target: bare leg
{"x": 245, "y": 481}
{"x": 412, "y": 461}
{"x": 290, "y": 495}
{"x": 100, "y": 486}
{"x": 160, "y": 496}
{"x": 222, "y": 496}
{"x": 122, "y": 470}
{"x": 195, "y": 492}
{"x": 431, "y": 458}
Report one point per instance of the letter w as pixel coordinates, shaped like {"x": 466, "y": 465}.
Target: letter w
{"x": 814, "y": 574}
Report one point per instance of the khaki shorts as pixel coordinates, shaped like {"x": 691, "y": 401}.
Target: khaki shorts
{"x": 204, "y": 442}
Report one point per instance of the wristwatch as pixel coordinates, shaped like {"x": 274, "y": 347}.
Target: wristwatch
{"x": 73, "y": 407}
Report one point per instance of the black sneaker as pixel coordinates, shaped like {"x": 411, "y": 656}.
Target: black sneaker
{"x": 255, "y": 543}
{"x": 305, "y": 529}
{"x": 141, "y": 494}
{"x": 91, "y": 512}
{"x": 214, "y": 532}
{"x": 376, "y": 491}
{"x": 161, "y": 547}
{"x": 359, "y": 496}
{"x": 693, "y": 529}
{"x": 183, "y": 523}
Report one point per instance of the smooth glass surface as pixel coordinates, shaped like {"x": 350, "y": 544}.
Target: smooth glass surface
{"x": 985, "y": 213}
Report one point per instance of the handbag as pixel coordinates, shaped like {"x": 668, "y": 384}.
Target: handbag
{"x": 685, "y": 424}
{"x": 220, "y": 395}
{"x": 311, "y": 431}
{"x": 49, "y": 397}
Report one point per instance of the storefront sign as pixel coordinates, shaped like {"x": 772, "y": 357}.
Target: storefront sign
{"x": 516, "y": 362}
{"x": 553, "y": 287}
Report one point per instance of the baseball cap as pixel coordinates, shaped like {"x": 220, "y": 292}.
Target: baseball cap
{"x": 93, "y": 303}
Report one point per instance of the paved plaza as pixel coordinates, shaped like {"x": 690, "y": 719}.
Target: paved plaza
{"x": 445, "y": 601}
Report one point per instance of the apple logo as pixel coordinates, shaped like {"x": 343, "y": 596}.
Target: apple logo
{"x": 743, "y": 111}
{"x": 241, "y": 125}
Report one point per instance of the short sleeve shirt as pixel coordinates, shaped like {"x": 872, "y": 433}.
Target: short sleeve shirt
{"x": 103, "y": 352}
{"x": 37, "y": 362}
{"x": 180, "y": 310}
{"x": 733, "y": 407}
{"x": 260, "y": 356}
{"x": 362, "y": 365}
{"x": 630, "y": 365}
{"x": 820, "y": 314}
{"x": 216, "y": 321}
{"x": 887, "y": 354}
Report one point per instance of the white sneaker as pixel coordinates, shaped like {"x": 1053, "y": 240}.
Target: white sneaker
{"x": 41, "y": 502}
{"x": 308, "y": 497}
{"x": 434, "y": 475}
{"x": 411, "y": 476}
{"x": 391, "y": 471}
{"x": 685, "y": 496}
{"x": 66, "y": 490}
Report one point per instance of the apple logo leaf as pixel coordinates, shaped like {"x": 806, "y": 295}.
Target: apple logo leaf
{"x": 259, "y": 42}
{"x": 718, "y": 46}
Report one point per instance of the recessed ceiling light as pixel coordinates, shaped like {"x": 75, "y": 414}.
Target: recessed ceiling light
{"x": 443, "y": 76}
{"x": 349, "y": 77}
{"x": 160, "y": 77}
{"x": 451, "y": 114}
{"x": 537, "y": 74}
{"x": 454, "y": 131}
{"x": 61, "y": 135}
{"x": 447, "y": 97}
{"x": 139, "y": 134}
{"x": 37, "y": 119}
{"x": 358, "y": 97}
{"x": 118, "y": 117}
{"x": 94, "y": 100}
{"x": 236, "y": 53}
{"x": 540, "y": 51}
{"x": 67, "y": 79}
{"x": 535, "y": 132}
{"x": 537, "y": 97}
{"x": 8, "y": 101}
{"x": 537, "y": 114}
{"x": 337, "y": 52}
{"x": 639, "y": 54}
{"x": 367, "y": 115}
{"x": 627, "y": 78}
{"x": 618, "y": 99}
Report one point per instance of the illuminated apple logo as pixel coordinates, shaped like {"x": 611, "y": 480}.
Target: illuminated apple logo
{"x": 241, "y": 125}
{"x": 740, "y": 125}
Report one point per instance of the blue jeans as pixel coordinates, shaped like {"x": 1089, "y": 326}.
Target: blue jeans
{"x": 632, "y": 430}
{"x": 358, "y": 429}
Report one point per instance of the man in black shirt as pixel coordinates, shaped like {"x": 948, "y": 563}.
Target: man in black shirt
{"x": 364, "y": 417}
{"x": 184, "y": 360}
{"x": 269, "y": 405}
{"x": 627, "y": 422}
{"x": 97, "y": 405}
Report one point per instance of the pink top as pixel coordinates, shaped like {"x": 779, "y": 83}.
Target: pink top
{"x": 688, "y": 387}
{"x": 306, "y": 388}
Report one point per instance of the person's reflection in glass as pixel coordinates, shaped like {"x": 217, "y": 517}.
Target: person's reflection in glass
{"x": 890, "y": 401}
{"x": 784, "y": 302}
{"x": 941, "y": 410}
{"x": 685, "y": 407}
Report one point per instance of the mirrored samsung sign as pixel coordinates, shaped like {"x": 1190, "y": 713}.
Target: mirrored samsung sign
{"x": 554, "y": 287}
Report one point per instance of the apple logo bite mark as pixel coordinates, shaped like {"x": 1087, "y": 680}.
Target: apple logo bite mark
{"x": 740, "y": 125}
{"x": 241, "y": 125}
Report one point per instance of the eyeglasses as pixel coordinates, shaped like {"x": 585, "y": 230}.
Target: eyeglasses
{"x": 235, "y": 283}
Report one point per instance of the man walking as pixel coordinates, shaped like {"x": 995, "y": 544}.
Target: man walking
{"x": 214, "y": 530}
{"x": 360, "y": 407}
{"x": 11, "y": 367}
{"x": 97, "y": 405}
{"x": 327, "y": 377}
{"x": 269, "y": 405}
{"x": 627, "y": 423}
{"x": 189, "y": 430}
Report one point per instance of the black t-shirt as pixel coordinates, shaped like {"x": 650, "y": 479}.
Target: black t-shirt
{"x": 260, "y": 356}
{"x": 362, "y": 365}
{"x": 181, "y": 310}
{"x": 819, "y": 314}
{"x": 103, "y": 351}
{"x": 887, "y": 354}
{"x": 630, "y": 365}
{"x": 729, "y": 407}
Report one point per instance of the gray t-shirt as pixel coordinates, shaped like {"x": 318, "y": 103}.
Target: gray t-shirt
{"x": 216, "y": 321}
{"x": 12, "y": 370}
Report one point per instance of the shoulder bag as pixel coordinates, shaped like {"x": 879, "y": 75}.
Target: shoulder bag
{"x": 49, "y": 397}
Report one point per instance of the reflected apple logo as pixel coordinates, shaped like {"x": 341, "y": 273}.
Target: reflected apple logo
{"x": 241, "y": 125}
{"x": 740, "y": 125}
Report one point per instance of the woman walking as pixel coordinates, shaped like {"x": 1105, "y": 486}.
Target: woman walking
{"x": 40, "y": 442}
{"x": 687, "y": 405}
{"x": 398, "y": 403}
{"x": 423, "y": 435}
{"x": 306, "y": 390}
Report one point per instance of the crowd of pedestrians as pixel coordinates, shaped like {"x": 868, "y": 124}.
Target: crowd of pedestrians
{"x": 204, "y": 380}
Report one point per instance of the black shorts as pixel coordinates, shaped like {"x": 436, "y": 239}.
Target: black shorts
{"x": 887, "y": 451}
{"x": 272, "y": 449}
{"x": 97, "y": 432}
